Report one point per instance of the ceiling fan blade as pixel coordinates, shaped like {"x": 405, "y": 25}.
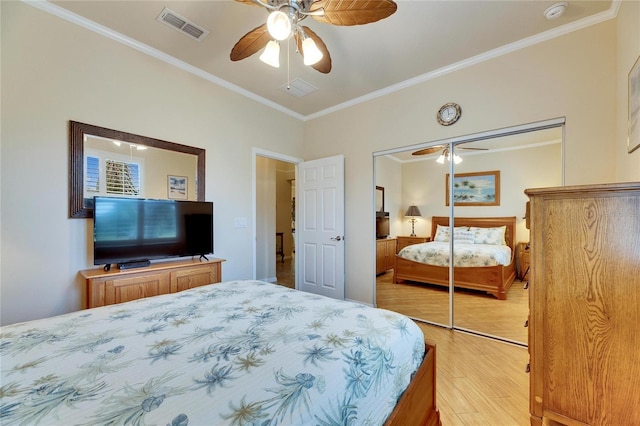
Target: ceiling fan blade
{"x": 473, "y": 149}
{"x": 251, "y": 43}
{"x": 353, "y": 12}
{"x": 251, "y": 2}
{"x": 427, "y": 151}
{"x": 324, "y": 64}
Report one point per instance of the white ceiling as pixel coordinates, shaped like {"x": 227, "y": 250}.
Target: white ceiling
{"x": 421, "y": 40}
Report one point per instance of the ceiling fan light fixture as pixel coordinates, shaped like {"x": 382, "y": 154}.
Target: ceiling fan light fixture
{"x": 446, "y": 155}
{"x": 310, "y": 52}
{"x": 279, "y": 25}
{"x": 271, "y": 54}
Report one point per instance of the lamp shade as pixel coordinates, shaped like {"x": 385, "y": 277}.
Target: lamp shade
{"x": 310, "y": 51}
{"x": 413, "y": 211}
{"x": 271, "y": 54}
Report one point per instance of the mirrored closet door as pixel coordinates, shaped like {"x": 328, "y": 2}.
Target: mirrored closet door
{"x": 490, "y": 172}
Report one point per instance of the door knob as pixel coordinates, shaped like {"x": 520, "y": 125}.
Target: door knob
{"x": 338, "y": 238}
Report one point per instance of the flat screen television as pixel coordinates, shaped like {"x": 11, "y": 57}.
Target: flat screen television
{"x": 382, "y": 224}
{"x": 132, "y": 231}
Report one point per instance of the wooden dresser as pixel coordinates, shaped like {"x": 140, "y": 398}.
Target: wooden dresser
{"x": 584, "y": 335}
{"x": 407, "y": 241}
{"x": 385, "y": 254}
{"x": 118, "y": 286}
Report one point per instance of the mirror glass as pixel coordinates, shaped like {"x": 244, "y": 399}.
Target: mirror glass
{"x": 379, "y": 198}
{"x": 526, "y": 160}
{"x": 106, "y": 162}
{"x": 410, "y": 180}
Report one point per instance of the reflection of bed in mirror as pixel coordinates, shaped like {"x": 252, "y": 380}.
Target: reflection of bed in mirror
{"x": 494, "y": 279}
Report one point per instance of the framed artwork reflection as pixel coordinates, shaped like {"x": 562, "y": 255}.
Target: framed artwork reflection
{"x": 475, "y": 189}
{"x": 176, "y": 187}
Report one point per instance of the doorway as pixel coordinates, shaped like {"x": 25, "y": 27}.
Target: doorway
{"x": 274, "y": 215}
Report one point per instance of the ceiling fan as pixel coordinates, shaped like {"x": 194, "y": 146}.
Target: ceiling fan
{"x": 284, "y": 19}
{"x": 445, "y": 152}
{"x": 443, "y": 148}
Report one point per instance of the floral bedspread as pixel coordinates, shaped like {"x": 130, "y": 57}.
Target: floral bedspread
{"x": 437, "y": 253}
{"x": 234, "y": 353}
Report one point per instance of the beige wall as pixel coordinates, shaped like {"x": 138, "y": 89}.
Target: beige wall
{"x": 423, "y": 183}
{"x": 265, "y": 218}
{"x": 285, "y": 174}
{"x": 63, "y": 72}
{"x": 628, "y": 31}
{"x": 536, "y": 83}
{"x": 389, "y": 176}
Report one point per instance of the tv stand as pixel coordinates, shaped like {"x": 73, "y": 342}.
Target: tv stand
{"x": 122, "y": 285}
{"x": 140, "y": 263}
{"x": 202, "y": 256}
{"x": 107, "y": 267}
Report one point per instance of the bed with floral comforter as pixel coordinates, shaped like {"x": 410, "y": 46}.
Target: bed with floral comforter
{"x": 464, "y": 255}
{"x": 236, "y": 353}
{"x": 483, "y": 255}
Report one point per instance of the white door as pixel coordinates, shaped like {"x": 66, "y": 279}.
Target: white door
{"x": 320, "y": 226}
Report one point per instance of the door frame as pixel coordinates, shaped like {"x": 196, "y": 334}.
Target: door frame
{"x": 255, "y": 153}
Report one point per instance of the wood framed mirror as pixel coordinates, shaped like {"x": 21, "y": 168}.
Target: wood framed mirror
{"x": 162, "y": 160}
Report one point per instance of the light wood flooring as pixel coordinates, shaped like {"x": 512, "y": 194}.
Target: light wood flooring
{"x": 473, "y": 310}
{"x": 285, "y": 272}
{"x": 479, "y": 381}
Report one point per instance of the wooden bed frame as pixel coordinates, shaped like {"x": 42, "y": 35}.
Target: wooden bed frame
{"x": 495, "y": 280}
{"x": 417, "y": 406}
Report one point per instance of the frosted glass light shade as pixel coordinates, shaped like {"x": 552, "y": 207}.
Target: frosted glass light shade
{"x": 271, "y": 54}
{"x": 310, "y": 52}
{"x": 279, "y": 25}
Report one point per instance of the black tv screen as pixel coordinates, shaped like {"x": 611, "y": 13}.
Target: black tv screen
{"x": 137, "y": 229}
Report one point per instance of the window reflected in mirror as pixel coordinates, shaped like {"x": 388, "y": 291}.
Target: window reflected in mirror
{"x": 106, "y": 162}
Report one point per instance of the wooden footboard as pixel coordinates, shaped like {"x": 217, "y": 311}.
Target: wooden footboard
{"x": 417, "y": 406}
{"x": 495, "y": 280}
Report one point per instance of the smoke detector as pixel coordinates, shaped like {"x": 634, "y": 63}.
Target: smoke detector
{"x": 555, "y": 10}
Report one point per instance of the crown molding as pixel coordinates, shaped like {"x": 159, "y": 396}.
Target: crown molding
{"x": 611, "y": 13}
{"x": 60, "y": 12}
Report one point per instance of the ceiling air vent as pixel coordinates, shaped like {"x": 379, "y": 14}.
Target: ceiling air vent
{"x": 182, "y": 24}
{"x": 298, "y": 88}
